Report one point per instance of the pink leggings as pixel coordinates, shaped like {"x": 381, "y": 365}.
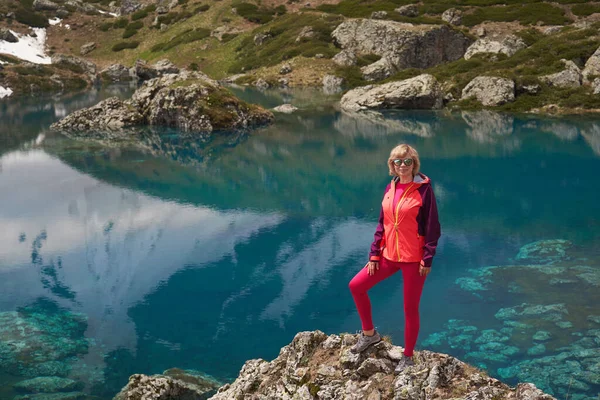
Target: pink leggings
{"x": 413, "y": 287}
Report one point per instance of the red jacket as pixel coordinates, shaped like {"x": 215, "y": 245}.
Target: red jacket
{"x": 410, "y": 231}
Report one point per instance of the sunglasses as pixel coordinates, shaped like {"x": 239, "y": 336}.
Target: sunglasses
{"x": 407, "y": 161}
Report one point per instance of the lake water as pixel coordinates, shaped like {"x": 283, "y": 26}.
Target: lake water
{"x": 199, "y": 253}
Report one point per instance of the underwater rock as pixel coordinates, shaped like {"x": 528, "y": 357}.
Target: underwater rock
{"x": 536, "y": 350}
{"x": 594, "y": 318}
{"x": 550, "y": 312}
{"x": 491, "y": 335}
{"x": 471, "y": 284}
{"x": 48, "y": 384}
{"x": 544, "y": 251}
{"x": 542, "y": 336}
{"x": 41, "y": 340}
{"x": 52, "y": 396}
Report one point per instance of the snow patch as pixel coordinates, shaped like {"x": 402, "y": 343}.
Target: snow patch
{"x": 5, "y": 92}
{"x": 54, "y": 21}
{"x": 28, "y": 48}
{"x": 108, "y": 13}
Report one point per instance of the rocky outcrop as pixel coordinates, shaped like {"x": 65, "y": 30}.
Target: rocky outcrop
{"x": 317, "y": 366}
{"x": 591, "y": 68}
{"x": 172, "y": 384}
{"x": 285, "y": 108}
{"x": 189, "y": 101}
{"x": 116, "y": 73}
{"x": 490, "y": 90}
{"x": 420, "y": 92}
{"x": 144, "y": 71}
{"x": 129, "y": 6}
{"x": 110, "y": 114}
{"x": 508, "y": 46}
{"x": 378, "y": 70}
{"x": 404, "y": 45}
{"x": 570, "y": 77}
{"x": 76, "y": 64}
{"x": 345, "y": 58}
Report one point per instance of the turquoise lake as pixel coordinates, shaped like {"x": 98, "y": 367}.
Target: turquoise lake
{"x": 200, "y": 253}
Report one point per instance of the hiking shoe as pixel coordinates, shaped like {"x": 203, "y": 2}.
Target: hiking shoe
{"x": 365, "y": 341}
{"x": 403, "y": 363}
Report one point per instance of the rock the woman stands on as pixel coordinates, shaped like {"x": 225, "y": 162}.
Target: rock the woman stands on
{"x": 405, "y": 240}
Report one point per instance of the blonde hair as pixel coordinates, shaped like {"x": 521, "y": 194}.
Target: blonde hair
{"x": 402, "y": 151}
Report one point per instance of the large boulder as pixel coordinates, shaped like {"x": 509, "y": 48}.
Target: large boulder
{"x": 420, "y": 92}
{"x": 76, "y": 64}
{"x": 87, "y": 48}
{"x": 129, "y": 6}
{"x": 570, "y": 77}
{"x": 317, "y": 366}
{"x": 592, "y": 67}
{"x": 332, "y": 84}
{"x": 45, "y": 5}
{"x": 116, "y": 73}
{"x": 345, "y": 58}
{"x": 452, "y": 16}
{"x": 508, "y": 45}
{"x": 189, "y": 101}
{"x": 143, "y": 71}
{"x": 381, "y": 69}
{"x": 490, "y": 90}
{"x": 409, "y": 10}
{"x": 404, "y": 45}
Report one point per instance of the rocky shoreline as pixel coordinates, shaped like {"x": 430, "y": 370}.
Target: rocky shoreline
{"x": 317, "y": 366}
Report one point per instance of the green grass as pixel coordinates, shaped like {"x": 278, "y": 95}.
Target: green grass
{"x": 526, "y": 14}
{"x": 282, "y": 43}
{"x": 259, "y": 15}
{"x": 583, "y": 10}
{"x": 188, "y": 36}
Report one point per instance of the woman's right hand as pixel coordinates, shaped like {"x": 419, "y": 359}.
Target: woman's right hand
{"x": 372, "y": 266}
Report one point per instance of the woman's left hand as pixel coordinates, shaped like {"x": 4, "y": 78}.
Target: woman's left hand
{"x": 423, "y": 270}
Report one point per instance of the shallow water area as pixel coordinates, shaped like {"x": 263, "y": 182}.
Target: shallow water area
{"x": 200, "y": 252}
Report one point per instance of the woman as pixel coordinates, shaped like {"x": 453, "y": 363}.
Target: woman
{"x": 405, "y": 240}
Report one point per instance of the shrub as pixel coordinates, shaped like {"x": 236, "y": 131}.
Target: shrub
{"x": 125, "y": 45}
{"x": 105, "y": 26}
{"x": 193, "y": 67}
{"x": 121, "y": 23}
{"x": 228, "y": 36}
{"x": 135, "y": 25}
{"x": 151, "y": 8}
{"x": 31, "y": 18}
{"x": 139, "y": 14}
{"x": 261, "y": 15}
{"x": 201, "y": 8}
{"x": 367, "y": 59}
{"x": 526, "y": 14}
{"x": 583, "y": 10}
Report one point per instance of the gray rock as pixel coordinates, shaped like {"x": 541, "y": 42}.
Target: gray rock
{"x": 48, "y": 384}
{"x": 111, "y": 114}
{"x": 490, "y": 90}
{"x": 165, "y": 66}
{"x": 404, "y": 45}
{"x": 570, "y": 77}
{"x": 528, "y": 391}
{"x": 452, "y": 16}
{"x": 164, "y": 387}
{"x": 45, "y": 5}
{"x": 592, "y": 67}
{"x": 87, "y": 48}
{"x": 596, "y": 86}
{"x": 420, "y": 92}
{"x": 161, "y": 10}
{"x": 379, "y": 70}
{"x": 116, "y": 73}
{"x": 285, "y": 69}
{"x": 480, "y": 32}
{"x": 409, "y": 10}
{"x": 260, "y": 38}
{"x": 262, "y": 84}
{"x": 379, "y": 15}
{"x": 80, "y": 65}
{"x": 129, "y": 6}
{"x": 551, "y": 30}
{"x": 345, "y": 58}
{"x": 8, "y": 36}
{"x": 285, "y": 109}
{"x": 509, "y": 45}
{"x": 62, "y": 13}
{"x": 332, "y": 84}
{"x": 306, "y": 33}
